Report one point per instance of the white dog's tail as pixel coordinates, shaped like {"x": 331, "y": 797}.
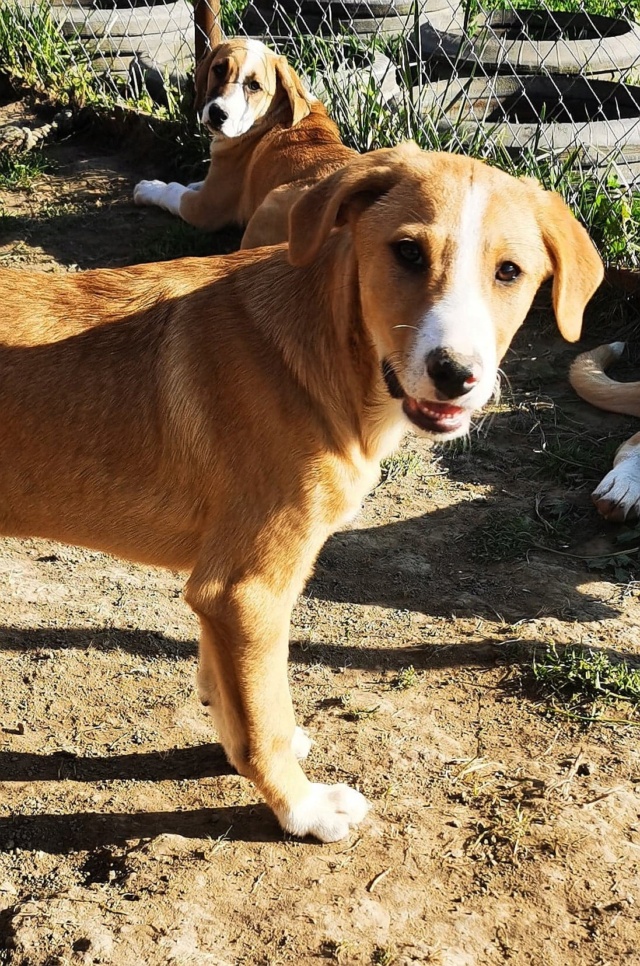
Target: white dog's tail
{"x": 588, "y": 378}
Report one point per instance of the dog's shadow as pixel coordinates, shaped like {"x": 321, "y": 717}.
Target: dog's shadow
{"x": 421, "y": 564}
{"x": 86, "y": 831}
{"x": 82, "y": 831}
{"x": 433, "y": 564}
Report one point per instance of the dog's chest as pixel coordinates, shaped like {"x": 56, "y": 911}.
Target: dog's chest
{"x": 348, "y": 481}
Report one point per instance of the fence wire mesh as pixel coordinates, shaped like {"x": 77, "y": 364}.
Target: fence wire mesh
{"x": 486, "y": 76}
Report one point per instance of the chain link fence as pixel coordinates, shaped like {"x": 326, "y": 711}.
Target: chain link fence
{"x": 486, "y": 76}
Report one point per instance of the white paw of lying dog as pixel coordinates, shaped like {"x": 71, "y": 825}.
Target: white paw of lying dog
{"x": 328, "y": 812}
{"x": 164, "y": 195}
{"x": 618, "y": 495}
{"x": 148, "y": 192}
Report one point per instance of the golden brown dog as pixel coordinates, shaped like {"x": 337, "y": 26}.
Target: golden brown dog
{"x": 617, "y": 497}
{"x": 271, "y": 140}
{"x": 226, "y": 415}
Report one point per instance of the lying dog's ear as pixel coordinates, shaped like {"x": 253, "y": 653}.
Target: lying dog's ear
{"x": 577, "y": 267}
{"x": 202, "y": 77}
{"x": 348, "y": 191}
{"x": 292, "y": 86}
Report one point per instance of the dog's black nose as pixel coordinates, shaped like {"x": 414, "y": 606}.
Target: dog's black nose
{"x": 216, "y": 116}
{"x": 453, "y": 374}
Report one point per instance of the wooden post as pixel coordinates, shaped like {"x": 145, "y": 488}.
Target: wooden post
{"x": 207, "y": 21}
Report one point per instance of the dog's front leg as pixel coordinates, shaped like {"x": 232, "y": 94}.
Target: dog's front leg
{"x": 243, "y": 678}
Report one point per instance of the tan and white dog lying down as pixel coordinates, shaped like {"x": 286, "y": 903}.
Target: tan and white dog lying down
{"x": 271, "y": 140}
{"x": 617, "y": 497}
{"x": 226, "y": 415}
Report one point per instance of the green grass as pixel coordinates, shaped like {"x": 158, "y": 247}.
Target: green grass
{"x": 586, "y": 684}
{"x": 404, "y": 463}
{"x": 407, "y": 678}
{"x": 33, "y": 51}
{"x": 20, "y": 172}
{"x": 504, "y": 536}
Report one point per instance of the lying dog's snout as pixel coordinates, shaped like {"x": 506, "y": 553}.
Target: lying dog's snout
{"x": 214, "y": 116}
{"x": 452, "y": 374}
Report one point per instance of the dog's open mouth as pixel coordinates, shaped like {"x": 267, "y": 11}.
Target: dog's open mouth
{"x": 435, "y": 417}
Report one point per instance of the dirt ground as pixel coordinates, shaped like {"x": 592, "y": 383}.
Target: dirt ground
{"x": 502, "y": 830}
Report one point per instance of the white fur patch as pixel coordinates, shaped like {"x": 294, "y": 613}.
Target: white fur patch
{"x": 327, "y": 813}
{"x": 166, "y": 196}
{"x": 461, "y": 320}
{"x": 301, "y": 743}
{"x": 621, "y": 487}
{"x": 240, "y": 116}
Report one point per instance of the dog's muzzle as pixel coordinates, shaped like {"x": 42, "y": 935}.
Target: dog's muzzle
{"x": 435, "y": 418}
{"x": 213, "y": 117}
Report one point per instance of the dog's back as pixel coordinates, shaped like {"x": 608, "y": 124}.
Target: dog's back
{"x": 309, "y": 151}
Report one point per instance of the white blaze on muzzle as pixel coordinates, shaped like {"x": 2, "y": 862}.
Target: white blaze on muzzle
{"x": 240, "y": 116}
{"x": 461, "y": 320}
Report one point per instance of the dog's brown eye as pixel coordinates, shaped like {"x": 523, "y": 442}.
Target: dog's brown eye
{"x": 219, "y": 70}
{"x": 254, "y": 86}
{"x": 409, "y": 252}
{"x": 507, "y": 272}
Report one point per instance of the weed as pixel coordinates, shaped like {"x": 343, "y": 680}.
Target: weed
{"x": 574, "y": 460}
{"x": 34, "y": 50}
{"x": 383, "y": 956}
{"x": 354, "y": 713}
{"x": 507, "y": 826}
{"x": 337, "y": 949}
{"x": 504, "y": 536}
{"x": 405, "y": 463}
{"x": 578, "y": 676}
{"x": 20, "y": 172}
{"x": 622, "y": 564}
{"x": 407, "y": 678}
{"x": 606, "y": 8}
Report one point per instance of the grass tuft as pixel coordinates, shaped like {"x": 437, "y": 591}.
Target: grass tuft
{"x": 405, "y": 463}
{"x": 20, "y": 172}
{"x": 584, "y": 675}
{"x": 504, "y": 537}
{"x": 407, "y": 678}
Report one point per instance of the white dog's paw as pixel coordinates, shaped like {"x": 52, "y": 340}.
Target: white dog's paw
{"x": 328, "y": 812}
{"x": 197, "y": 185}
{"x": 148, "y": 192}
{"x": 618, "y": 496}
{"x": 301, "y": 743}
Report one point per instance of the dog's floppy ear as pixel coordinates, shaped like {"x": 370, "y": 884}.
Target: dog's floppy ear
{"x": 350, "y": 190}
{"x": 202, "y": 76}
{"x": 292, "y": 86}
{"x": 577, "y": 267}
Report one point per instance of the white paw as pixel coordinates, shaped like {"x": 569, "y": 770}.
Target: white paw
{"x": 618, "y": 496}
{"x": 195, "y": 185}
{"x": 148, "y": 192}
{"x": 300, "y": 743}
{"x": 328, "y": 812}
